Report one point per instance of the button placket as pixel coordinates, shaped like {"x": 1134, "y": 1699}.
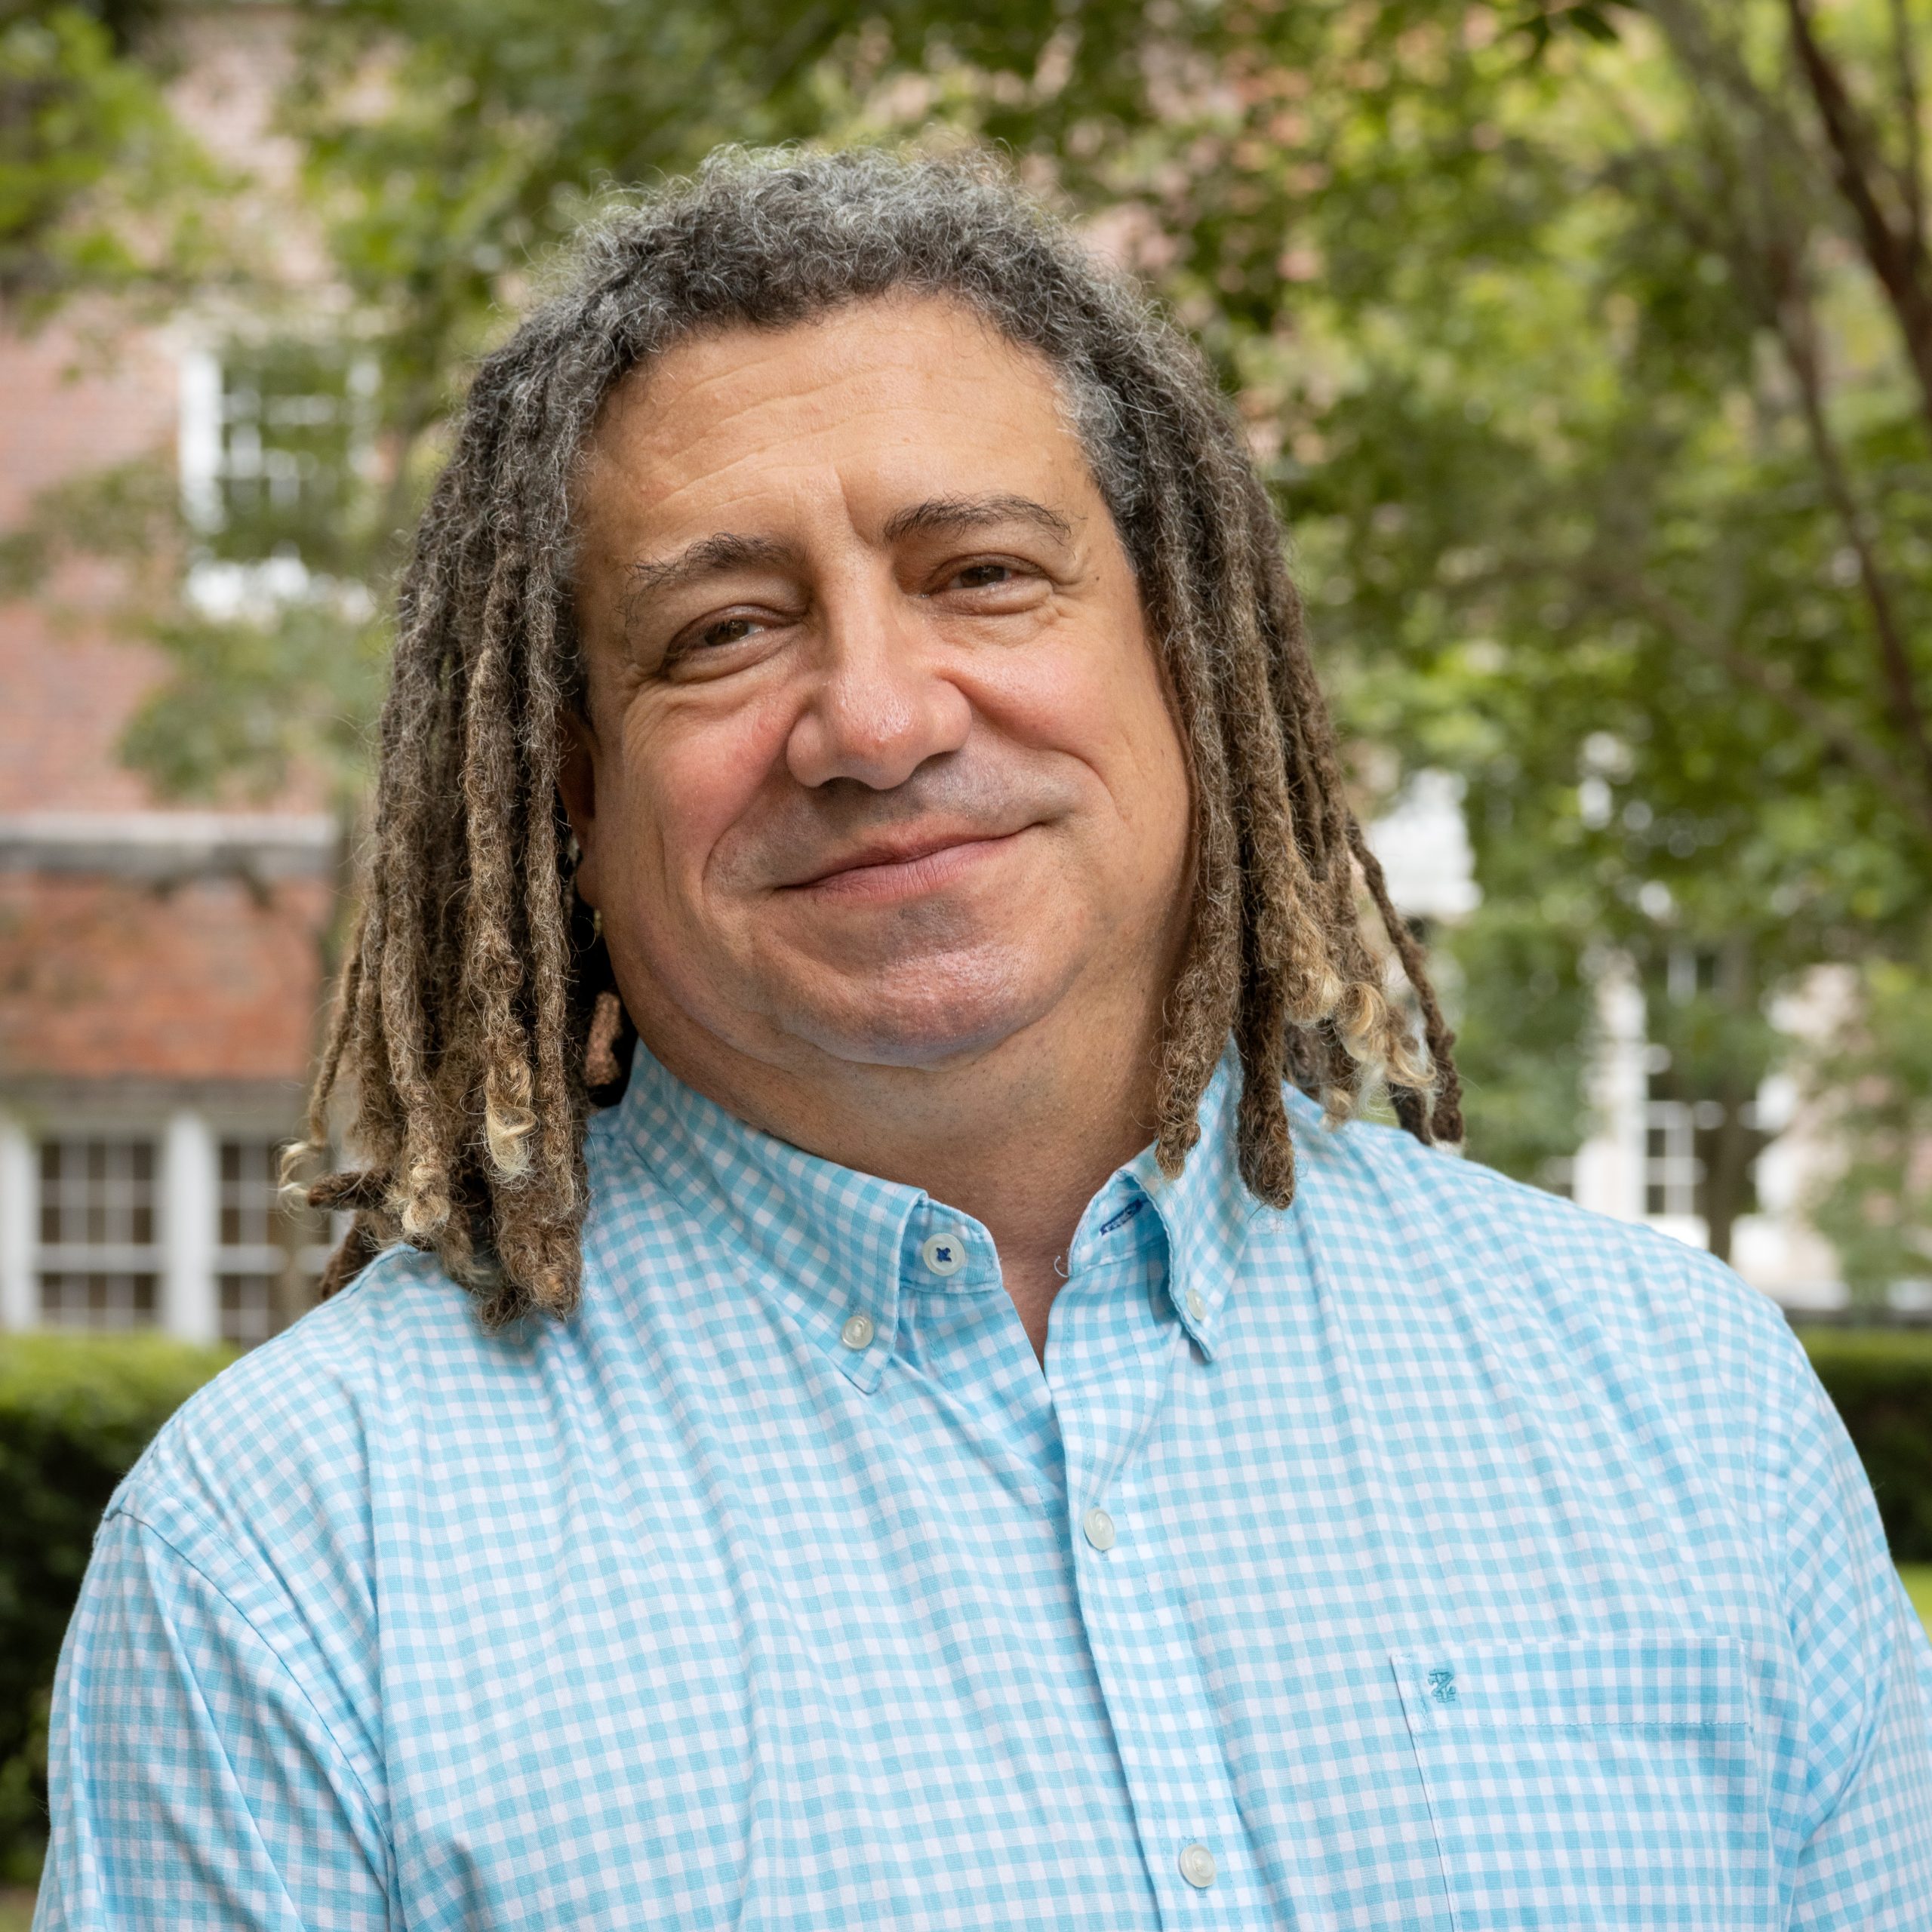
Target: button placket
{"x": 1170, "y": 1750}
{"x": 1156, "y": 1698}
{"x": 1110, "y": 1383}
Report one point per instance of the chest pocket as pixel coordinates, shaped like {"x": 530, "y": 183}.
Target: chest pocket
{"x": 1605, "y": 1783}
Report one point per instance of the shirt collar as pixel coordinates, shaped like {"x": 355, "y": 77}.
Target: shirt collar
{"x": 836, "y": 1244}
{"x": 1205, "y": 1211}
{"x": 826, "y": 1241}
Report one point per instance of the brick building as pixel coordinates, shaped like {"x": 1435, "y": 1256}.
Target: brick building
{"x": 160, "y": 962}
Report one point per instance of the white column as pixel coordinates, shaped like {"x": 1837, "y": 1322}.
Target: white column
{"x": 1610, "y": 1164}
{"x": 198, "y": 437}
{"x": 190, "y": 1304}
{"x": 19, "y": 1298}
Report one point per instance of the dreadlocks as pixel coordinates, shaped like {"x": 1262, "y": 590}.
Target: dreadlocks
{"x": 477, "y": 1021}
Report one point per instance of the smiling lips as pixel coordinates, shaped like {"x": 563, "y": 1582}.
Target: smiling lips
{"x": 903, "y": 868}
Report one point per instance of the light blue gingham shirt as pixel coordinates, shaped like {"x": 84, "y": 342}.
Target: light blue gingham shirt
{"x": 1430, "y": 1556}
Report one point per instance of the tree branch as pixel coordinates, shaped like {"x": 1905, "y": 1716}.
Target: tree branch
{"x": 1776, "y": 683}
{"x": 1911, "y": 170}
{"x": 1768, "y": 251}
{"x": 1798, "y": 337}
{"x": 1896, "y": 256}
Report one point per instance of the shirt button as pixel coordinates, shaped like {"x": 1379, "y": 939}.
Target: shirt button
{"x": 1098, "y": 1528}
{"x": 857, "y": 1332}
{"x": 1196, "y": 1866}
{"x": 943, "y": 1254}
{"x": 1196, "y": 1309}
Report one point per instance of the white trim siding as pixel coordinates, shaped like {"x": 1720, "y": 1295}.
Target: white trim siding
{"x": 190, "y": 1307}
{"x": 19, "y": 1288}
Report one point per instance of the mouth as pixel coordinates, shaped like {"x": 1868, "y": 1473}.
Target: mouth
{"x": 890, "y": 869}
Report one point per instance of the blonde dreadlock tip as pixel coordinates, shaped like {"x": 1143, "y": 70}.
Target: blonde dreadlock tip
{"x": 1358, "y": 1014}
{"x": 293, "y": 1158}
{"x": 507, "y": 1130}
{"x": 423, "y": 1208}
{"x": 421, "y": 1219}
{"x": 1409, "y": 1068}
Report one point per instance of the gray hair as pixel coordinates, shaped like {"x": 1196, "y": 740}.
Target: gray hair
{"x": 477, "y": 1020}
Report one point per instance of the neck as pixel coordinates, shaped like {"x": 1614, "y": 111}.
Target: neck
{"x": 1020, "y": 1137}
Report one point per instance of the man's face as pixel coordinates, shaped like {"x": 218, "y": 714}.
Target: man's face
{"x": 879, "y": 763}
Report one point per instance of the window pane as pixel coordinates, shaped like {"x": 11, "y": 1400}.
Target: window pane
{"x": 252, "y": 1212}
{"x": 50, "y": 1190}
{"x": 269, "y": 1262}
{"x": 247, "y": 1193}
{"x": 289, "y": 431}
{"x": 248, "y": 1312}
{"x": 98, "y": 1191}
{"x": 139, "y": 1186}
{"x": 83, "y": 1300}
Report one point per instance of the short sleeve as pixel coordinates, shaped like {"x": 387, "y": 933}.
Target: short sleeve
{"x": 1866, "y": 1860}
{"x": 193, "y": 1781}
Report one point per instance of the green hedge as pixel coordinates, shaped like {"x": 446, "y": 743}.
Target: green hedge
{"x": 75, "y": 1410}
{"x": 1881, "y": 1380}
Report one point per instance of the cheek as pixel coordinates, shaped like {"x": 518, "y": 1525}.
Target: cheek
{"x": 1160, "y": 794}
{"x": 1151, "y": 778}
{"x": 1106, "y": 707}
{"x": 691, "y": 776}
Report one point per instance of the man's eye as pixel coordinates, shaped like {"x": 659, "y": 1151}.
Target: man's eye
{"x": 727, "y": 630}
{"x": 981, "y": 576}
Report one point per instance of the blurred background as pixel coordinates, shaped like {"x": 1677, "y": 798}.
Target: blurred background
{"x": 1587, "y": 348}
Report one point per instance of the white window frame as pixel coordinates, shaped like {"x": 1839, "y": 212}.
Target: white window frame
{"x": 151, "y": 1258}
{"x": 187, "y": 1256}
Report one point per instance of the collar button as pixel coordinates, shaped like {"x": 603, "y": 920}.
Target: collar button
{"x": 857, "y": 1333}
{"x": 943, "y": 1254}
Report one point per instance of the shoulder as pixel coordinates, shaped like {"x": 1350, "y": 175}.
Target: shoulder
{"x": 1645, "y": 1367}
{"x": 1518, "y": 1258}
{"x": 269, "y": 1464}
{"x": 394, "y": 1374}
{"x": 235, "y": 1605}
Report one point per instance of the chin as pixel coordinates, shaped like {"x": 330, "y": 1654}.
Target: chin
{"x": 922, "y": 1015}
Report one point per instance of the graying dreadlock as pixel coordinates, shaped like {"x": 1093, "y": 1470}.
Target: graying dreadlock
{"x": 476, "y": 1007}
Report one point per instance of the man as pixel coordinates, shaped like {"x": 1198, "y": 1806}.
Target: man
{"x": 961, "y": 1442}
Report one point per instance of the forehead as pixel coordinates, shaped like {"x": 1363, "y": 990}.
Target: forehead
{"x": 872, "y": 403}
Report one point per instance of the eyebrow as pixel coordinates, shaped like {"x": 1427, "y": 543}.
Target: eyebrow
{"x": 975, "y": 513}
{"x": 708, "y": 557}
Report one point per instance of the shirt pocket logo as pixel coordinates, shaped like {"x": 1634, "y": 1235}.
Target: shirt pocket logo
{"x": 1606, "y": 1783}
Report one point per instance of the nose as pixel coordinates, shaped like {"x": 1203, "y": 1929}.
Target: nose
{"x": 879, "y": 705}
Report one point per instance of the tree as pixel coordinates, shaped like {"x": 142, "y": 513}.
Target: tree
{"x": 99, "y": 185}
{"x": 1583, "y": 344}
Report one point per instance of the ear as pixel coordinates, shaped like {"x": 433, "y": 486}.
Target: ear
{"x": 577, "y": 784}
